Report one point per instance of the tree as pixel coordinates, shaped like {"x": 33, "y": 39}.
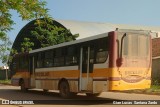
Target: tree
{"x": 26, "y": 45}
{"x": 49, "y": 34}
{"x": 45, "y": 31}
{"x": 27, "y": 9}
{"x": 4, "y": 51}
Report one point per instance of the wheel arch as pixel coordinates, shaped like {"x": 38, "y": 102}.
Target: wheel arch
{"x": 61, "y": 80}
{"x": 20, "y": 80}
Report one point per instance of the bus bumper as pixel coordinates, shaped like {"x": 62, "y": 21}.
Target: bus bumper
{"x": 15, "y": 81}
{"x": 122, "y": 85}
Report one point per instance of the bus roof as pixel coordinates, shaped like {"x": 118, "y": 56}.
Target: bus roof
{"x": 87, "y": 39}
{"x": 71, "y": 42}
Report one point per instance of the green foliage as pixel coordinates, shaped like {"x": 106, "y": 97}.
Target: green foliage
{"x": 27, "y": 10}
{"x": 5, "y": 44}
{"x": 155, "y": 87}
{"x": 5, "y": 81}
{"x": 26, "y": 45}
{"x": 45, "y": 31}
{"x": 156, "y": 81}
{"x": 49, "y": 34}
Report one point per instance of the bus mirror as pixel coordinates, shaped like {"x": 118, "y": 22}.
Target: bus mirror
{"x": 119, "y": 62}
{"x": 120, "y": 59}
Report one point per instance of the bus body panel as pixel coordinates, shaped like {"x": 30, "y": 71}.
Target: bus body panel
{"x": 15, "y": 80}
{"x": 128, "y": 82}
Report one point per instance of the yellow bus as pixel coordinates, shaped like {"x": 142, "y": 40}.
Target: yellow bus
{"x": 117, "y": 60}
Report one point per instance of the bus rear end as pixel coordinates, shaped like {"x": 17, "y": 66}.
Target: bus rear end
{"x": 131, "y": 60}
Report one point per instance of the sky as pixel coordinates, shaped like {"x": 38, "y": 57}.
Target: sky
{"x": 133, "y": 12}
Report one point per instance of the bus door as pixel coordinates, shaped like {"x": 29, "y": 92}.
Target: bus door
{"x": 86, "y": 68}
{"x": 32, "y": 71}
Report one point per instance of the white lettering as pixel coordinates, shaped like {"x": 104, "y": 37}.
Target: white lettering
{"x": 28, "y": 102}
{"x": 15, "y": 102}
{"x": 140, "y": 102}
{"x": 152, "y": 102}
{"x": 126, "y": 102}
{"x": 117, "y": 102}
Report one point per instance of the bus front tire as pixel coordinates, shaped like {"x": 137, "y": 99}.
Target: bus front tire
{"x": 64, "y": 89}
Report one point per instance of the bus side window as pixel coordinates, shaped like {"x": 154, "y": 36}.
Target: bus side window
{"x": 48, "y": 58}
{"x": 101, "y": 56}
{"x": 101, "y": 51}
{"x": 39, "y": 60}
{"x": 23, "y": 62}
{"x": 13, "y": 65}
{"x": 59, "y": 57}
{"x": 20, "y": 64}
{"x": 92, "y": 54}
{"x": 71, "y": 56}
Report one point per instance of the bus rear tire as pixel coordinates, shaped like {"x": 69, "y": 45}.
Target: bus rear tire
{"x": 22, "y": 85}
{"x": 45, "y": 90}
{"x": 93, "y": 95}
{"x": 64, "y": 89}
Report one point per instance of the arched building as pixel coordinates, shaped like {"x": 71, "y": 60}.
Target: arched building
{"x": 87, "y": 29}
{"x": 84, "y": 29}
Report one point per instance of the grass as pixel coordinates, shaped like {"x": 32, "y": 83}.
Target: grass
{"x": 5, "y": 81}
{"x": 155, "y": 88}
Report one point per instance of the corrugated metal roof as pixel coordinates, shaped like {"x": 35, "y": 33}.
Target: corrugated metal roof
{"x": 138, "y": 27}
{"x": 84, "y": 29}
{"x": 87, "y": 29}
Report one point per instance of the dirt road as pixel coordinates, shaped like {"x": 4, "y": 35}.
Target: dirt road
{"x": 38, "y": 96}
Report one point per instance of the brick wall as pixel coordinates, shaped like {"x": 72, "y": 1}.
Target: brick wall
{"x": 155, "y": 47}
{"x": 155, "y": 62}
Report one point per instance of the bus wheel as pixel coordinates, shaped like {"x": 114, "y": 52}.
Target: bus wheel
{"x": 93, "y": 95}
{"x": 22, "y": 85}
{"x": 45, "y": 90}
{"x": 64, "y": 89}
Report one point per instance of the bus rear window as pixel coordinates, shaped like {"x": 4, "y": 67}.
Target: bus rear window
{"x": 135, "y": 45}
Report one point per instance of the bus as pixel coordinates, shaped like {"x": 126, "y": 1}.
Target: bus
{"x": 113, "y": 61}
